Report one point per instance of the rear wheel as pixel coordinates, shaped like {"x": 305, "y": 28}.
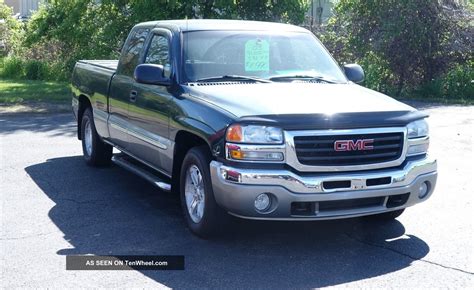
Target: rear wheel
{"x": 203, "y": 216}
{"x": 387, "y": 216}
{"x": 95, "y": 151}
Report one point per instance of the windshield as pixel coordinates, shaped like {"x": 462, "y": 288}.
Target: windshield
{"x": 258, "y": 54}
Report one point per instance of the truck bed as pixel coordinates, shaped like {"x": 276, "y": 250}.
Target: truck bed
{"x": 92, "y": 78}
{"x": 107, "y": 64}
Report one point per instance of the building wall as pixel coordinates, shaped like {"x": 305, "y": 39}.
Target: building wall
{"x": 320, "y": 11}
{"x": 23, "y": 7}
{"x": 15, "y": 4}
{"x": 28, "y": 6}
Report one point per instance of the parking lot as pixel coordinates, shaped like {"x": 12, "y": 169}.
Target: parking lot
{"x": 53, "y": 205}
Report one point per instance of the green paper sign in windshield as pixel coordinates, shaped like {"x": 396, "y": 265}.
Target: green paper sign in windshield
{"x": 257, "y": 55}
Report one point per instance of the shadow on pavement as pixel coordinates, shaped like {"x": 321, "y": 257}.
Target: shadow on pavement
{"x": 55, "y": 125}
{"x": 108, "y": 211}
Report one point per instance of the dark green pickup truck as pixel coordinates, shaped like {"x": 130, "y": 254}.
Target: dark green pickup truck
{"x": 251, "y": 119}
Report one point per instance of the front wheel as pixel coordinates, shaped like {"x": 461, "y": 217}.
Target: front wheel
{"x": 203, "y": 216}
{"x": 95, "y": 151}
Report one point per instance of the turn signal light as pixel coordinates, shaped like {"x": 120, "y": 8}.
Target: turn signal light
{"x": 234, "y": 133}
{"x": 235, "y": 152}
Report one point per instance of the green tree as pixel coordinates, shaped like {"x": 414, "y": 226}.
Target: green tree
{"x": 412, "y": 37}
{"x": 76, "y": 29}
{"x": 10, "y": 29}
{"x": 291, "y": 11}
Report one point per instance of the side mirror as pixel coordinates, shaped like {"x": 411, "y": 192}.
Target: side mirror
{"x": 152, "y": 74}
{"x": 354, "y": 73}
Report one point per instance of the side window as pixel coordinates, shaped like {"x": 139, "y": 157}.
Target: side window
{"x": 131, "y": 55}
{"x": 158, "y": 53}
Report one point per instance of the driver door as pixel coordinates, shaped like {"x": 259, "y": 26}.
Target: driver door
{"x": 149, "y": 110}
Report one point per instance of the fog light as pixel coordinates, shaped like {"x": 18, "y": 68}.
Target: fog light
{"x": 423, "y": 190}
{"x": 262, "y": 202}
{"x": 418, "y": 149}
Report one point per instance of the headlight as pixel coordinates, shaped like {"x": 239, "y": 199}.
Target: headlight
{"x": 418, "y": 139}
{"x": 254, "y": 134}
{"x": 418, "y": 129}
{"x": 255, "y": 143}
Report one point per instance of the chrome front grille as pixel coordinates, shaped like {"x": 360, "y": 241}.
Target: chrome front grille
{"x": 313, "y": 150}
{"x": 320, "y": 151}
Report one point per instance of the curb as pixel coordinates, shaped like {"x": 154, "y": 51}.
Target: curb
{"x": 34, "y": 108}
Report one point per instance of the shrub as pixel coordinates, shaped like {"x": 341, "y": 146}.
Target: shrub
{"x": 456, "y": 85}
{"x": 377, "y": 74}
{"x": 57, "y": 71}
{"x": 459, "y": 82}
{"x": 30, "y": 69}
{"x": 429, "y": 90}
{"x": 35, "y": 70}
{"x": 11, "y": 67}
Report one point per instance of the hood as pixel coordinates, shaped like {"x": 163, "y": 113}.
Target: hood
{"x": 295, "y": 98}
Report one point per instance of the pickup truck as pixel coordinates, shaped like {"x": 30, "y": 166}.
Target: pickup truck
{"x": 254, "y": 120}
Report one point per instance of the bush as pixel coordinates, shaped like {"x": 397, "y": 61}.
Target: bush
{"x": 456, "y": 85}
{"x": 459, "y": 82}
{"x": 30, "y": 69}
{"x": 430, "y": 90}
{"x": 57, "y": 71}
{"x": 377, "y": 74}
{"x": 35, "y": 70}
{"x": 12, "y": 67}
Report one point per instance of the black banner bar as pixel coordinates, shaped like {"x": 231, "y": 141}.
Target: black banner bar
{"x": 86, "y": 262}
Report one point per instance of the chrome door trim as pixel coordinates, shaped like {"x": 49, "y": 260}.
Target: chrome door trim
{"x": 100, "y": 115}
{"x": 118, "y": 123}
{"x": 292, "y": 159}
{"x": 149, "y": 137}
{"x": 139, "y": 133}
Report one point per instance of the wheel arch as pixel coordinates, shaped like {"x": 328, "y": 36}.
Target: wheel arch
{"x": 184, "y": 141}
{"x": 84, "y": 103}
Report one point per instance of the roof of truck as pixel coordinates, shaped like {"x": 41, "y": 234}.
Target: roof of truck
{"x": 221, "y": 24}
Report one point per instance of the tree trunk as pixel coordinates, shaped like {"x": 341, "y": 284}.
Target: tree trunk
{"x": 401, "y": 84}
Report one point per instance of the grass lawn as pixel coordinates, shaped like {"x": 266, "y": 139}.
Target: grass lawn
{"x": 14, "y": 92}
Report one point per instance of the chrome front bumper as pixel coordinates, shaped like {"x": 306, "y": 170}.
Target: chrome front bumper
{"x": 350, "y": 194}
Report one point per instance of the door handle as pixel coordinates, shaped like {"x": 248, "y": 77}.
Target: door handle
{"x": 133, "y": 96}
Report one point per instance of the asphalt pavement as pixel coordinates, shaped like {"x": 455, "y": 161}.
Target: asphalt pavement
{"x": 53, "y": 205}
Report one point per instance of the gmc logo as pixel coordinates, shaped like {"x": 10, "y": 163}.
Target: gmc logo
{"x": 353, "y": 145}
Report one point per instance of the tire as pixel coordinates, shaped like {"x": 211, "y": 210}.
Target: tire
{"x": 95, "y": 151}
{"x": 387, "y": 216}
{"x": 207, "y": 218}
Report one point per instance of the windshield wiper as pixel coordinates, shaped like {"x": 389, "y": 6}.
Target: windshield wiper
{"x": 305, "y": 77}
{"x": 233, "y": 78}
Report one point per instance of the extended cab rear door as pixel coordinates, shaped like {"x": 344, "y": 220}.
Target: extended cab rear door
{"x": 121, "y": 88}
{"x": 149, "y": 110}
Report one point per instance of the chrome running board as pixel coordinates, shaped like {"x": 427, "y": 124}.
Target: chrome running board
{"x": 127, "y": 163}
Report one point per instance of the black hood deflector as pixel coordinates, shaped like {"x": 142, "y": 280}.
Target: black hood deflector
{"x": 337, "y": 121}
